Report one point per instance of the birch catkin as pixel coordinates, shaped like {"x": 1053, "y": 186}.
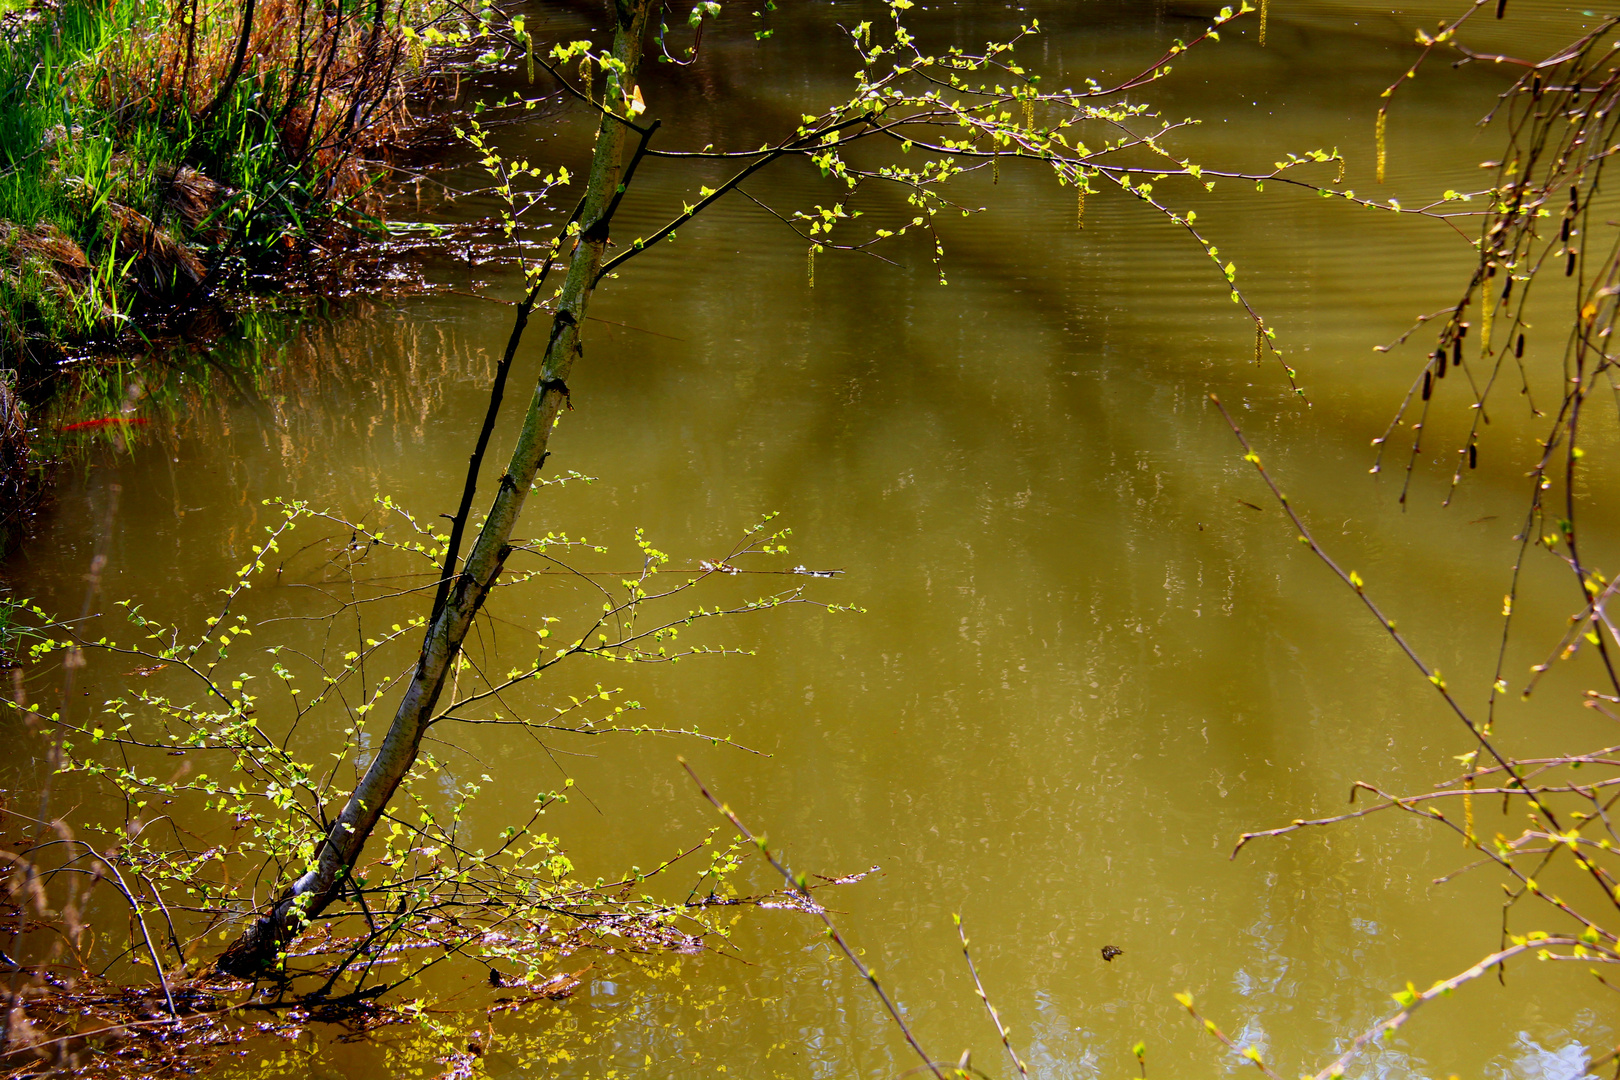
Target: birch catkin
{"x": 1378, "y": 135}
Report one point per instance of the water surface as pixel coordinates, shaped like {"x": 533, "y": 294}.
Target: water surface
{"x": 1092, "y": 653}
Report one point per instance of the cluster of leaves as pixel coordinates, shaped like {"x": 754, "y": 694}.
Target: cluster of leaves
{"x": 915, "y": 121}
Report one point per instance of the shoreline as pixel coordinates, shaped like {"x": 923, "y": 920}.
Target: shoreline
{"x": 184, "y": 165}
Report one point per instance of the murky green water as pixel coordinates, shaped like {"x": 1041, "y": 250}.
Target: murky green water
{"x": 1087, "y": 662}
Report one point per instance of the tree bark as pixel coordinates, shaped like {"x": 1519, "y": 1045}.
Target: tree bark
{"x": 260, "y": 946}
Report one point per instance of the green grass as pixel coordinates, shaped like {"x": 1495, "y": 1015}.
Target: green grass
{"x": 61, "y": 170}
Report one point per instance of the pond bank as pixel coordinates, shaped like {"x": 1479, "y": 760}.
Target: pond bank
{"x": 160, "y": 166}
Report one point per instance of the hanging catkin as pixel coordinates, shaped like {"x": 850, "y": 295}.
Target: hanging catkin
{"x": 812, "y": 262}
{"x": 1468, "y": 810}
{"x": 1264, "y": 11}
{"x": 1378, "y": 135}
{"x": 1080, "y": 202}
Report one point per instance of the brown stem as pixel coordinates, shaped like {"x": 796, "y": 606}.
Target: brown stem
{"x": 259, "y": 948}
{"x": 237, "y": 64}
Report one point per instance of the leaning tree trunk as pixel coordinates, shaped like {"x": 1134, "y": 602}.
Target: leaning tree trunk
{"x": 259, "y": 948}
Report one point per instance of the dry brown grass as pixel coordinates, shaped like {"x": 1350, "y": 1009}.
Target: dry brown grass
{"x": 334, "y": 82}
{"x": 55, "y": 266}
{"x": 195, "y": 198}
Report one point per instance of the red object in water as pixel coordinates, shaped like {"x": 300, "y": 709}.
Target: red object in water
{"x": 106, "y": 421}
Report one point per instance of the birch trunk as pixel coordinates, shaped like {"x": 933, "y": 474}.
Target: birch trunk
{"x": 259, "y": 948}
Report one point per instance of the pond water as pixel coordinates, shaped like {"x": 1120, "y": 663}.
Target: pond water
{"x": 1092, "y": 653}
